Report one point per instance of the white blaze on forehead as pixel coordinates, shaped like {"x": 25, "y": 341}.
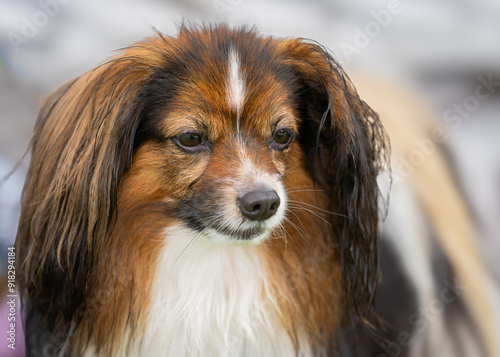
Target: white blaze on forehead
{"x": 236, "y": 84}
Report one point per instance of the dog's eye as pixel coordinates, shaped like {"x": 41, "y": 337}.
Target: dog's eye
{"x": 282, "y": 137}
{"x": 189, "y": 140}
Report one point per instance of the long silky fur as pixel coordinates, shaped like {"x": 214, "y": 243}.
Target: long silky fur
{"x": 81, "y": 148}
{"x": 84, "y": 140}
{"x": 347, "y": 148}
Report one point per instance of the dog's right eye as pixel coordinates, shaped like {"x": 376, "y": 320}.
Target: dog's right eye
{"x": 189, "y": 140}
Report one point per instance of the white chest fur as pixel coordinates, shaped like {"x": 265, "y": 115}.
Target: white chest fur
{"x": 210, "y": 299}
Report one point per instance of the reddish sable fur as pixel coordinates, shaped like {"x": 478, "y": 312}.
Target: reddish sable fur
{"x": 106, "y": 180}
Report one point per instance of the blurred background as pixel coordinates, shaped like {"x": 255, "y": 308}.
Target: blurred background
{"x": 439, "y": 51}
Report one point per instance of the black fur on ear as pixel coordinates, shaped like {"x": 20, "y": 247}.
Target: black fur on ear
{"x": 346, "y": 147}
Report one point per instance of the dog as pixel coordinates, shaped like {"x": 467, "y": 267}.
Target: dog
{"x": 210, "y": 194}
{"x": 434, "y": 288}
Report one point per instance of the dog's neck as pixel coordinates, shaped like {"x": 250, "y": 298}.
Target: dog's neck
{"x": 212, "y": 300}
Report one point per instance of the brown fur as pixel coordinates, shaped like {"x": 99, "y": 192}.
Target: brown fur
{"x": 106, "y": 179}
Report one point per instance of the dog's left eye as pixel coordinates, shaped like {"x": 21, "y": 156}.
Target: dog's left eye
{"x": 189, "y": 140}
{"x": 282, "y": 137}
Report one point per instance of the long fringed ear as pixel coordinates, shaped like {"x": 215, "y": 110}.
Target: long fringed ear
{"x": 82, "y": 145}
{"x": 346, "y": 147}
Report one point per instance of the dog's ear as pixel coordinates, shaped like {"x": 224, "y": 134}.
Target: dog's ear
{"x": 82, "y": 146}
{"x": 346, "y": 146}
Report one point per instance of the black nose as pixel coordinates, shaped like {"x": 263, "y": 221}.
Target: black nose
{"x": 259, "y": 205}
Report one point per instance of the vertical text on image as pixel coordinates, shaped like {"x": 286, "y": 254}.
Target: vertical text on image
{"x": 11, "y": 297}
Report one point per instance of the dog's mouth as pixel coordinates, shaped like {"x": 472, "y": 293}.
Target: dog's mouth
{"x": 244, "y": 234}
{"x": 224, "y": 232}
{"x": 252, "y": 218}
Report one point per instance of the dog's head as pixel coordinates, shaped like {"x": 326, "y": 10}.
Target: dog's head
{"x": 216, "y": 130}
{"x": 219, "y": 121}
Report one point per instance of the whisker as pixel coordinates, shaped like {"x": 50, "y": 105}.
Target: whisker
{"x": 293, "y": 167}
{"x": 301, "y": 233}
{"x": 318, "y": 208}
{"x": 281, "y": 232}
{"x": 300, "y": 230}
{"x": 190, "y": 244}
{"x": 304, "y": 190}
{"x": 316, "y": 214}
{"x": 319, "y": 215}
{"x": 285, "y": 237}
{"x": 322, "y": 210}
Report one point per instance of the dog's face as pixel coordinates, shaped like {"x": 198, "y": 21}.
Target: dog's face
{"x": 219, "y": 143}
